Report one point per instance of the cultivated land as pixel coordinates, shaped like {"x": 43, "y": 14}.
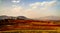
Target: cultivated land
{"x": 29, "y": 26}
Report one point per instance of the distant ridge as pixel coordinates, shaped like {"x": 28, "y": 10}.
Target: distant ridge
{"x": 49, "y": 18}
{"x": 25, "y": 18}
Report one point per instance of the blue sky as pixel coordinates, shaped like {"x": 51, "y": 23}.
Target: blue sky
{"x": 30, "y": 8}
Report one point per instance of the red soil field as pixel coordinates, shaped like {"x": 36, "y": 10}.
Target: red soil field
{"x": 30, "y": 25}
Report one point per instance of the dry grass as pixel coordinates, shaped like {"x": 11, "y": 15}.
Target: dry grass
{"x": 32, "y": 31}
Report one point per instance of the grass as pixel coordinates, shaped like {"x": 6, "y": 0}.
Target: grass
{"x": 31, "y": 31}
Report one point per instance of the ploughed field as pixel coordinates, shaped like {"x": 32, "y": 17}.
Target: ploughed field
{"x": 8, "y": 24}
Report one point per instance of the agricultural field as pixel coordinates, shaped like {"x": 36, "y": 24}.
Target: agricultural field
{"x": 29, "y": 26}
{"x": 31, "y": 31}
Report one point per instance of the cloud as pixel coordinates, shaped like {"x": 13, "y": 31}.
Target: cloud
{"x": 14, "y": 10}
{"x": 35, "y": 5}
{"x": 15, "y": 1}
{"x": 35, "y": 10}
{"x": 40, "y": 9}
{"x": 43, "y": 4}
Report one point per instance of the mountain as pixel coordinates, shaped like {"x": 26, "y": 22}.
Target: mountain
{"x": 11, "y": 17}
{"x": 22, "y": 17}
{"x": 50, "y": 18}
{"x": 3, "y": 17}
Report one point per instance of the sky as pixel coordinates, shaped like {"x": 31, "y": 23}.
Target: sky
{"x": 30, "y": 8}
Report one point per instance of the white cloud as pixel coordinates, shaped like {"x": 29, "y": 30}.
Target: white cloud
{"x": 43, "y": 4}
{"x": 40, "y": 9}
{"x": 37, "y": 9}
{"x": 12, "y": 11}
{"x": 35, "y": 5}
{"x": 15, "y": 1}
{"x": 16, "y": 10}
